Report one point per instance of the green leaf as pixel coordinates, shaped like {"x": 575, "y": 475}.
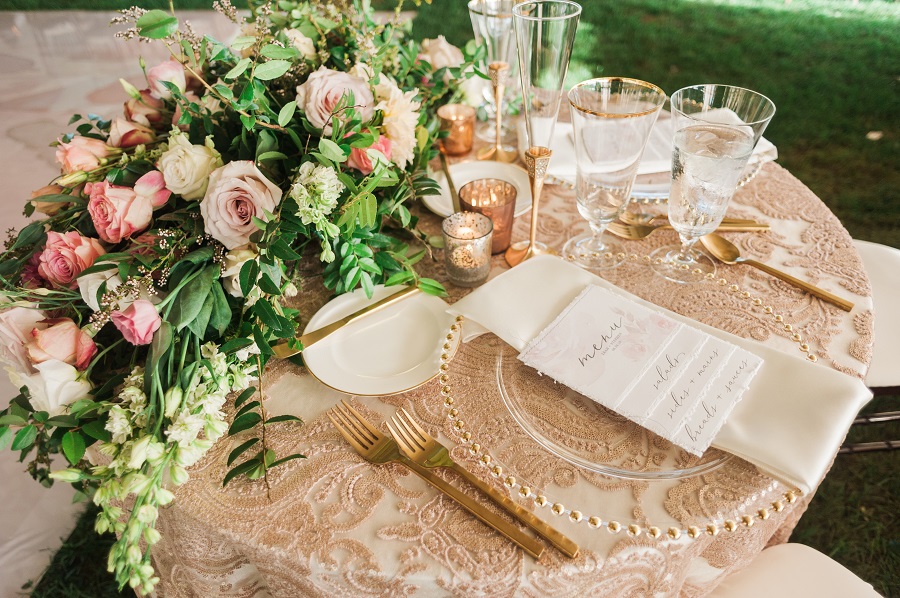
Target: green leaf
{"x": 189, "y": 302}
{"x": 432, "y": 287}
{"x": 266, "y": 313}
{"x": 248, "y": 276}
{"x": 197, "y": 325}
{"x": 235, "y": 344}
{"x": 237, "y": 452}
{"x": 399, "y": 278}
{"x": 271, "y": 70}
{"x": 244, "y": 422}
{"x": 238, "y": 69}
{"x": 246, "y": 408}
{"x": 246, "y": 394}
{"x": 368, "y": 209}
{"x": 331, "y": 150}
{"x": 367, "y": 284}
{"x": 96, "y": 429}
{"x": 283, "y": 251}
{"x": 286, "y": 459}
{"x": 286, "y": 113}
{"x": 12, "y": 420}
{"x": 73, "y": 446}
{"x": 220, "y": 317}
{"x": 273, "y": 51}
{"x": 31, "y": 234}
{"x": 6, "y": 436}
{"x": 243, "y": 42}
{"x": 283, "y": 418}
{"x": 267, "y": 286}
{"x": 240, "y": 469}
{"x": 63, "y": 421}
{"x": 24, "y": 438}
{"x": 157, "y": 24}
{"x": 261, "y": 342}
{"x": 224, "y": 91}
{"x": 270, "y": 156}
{"x": 162, "y": 341}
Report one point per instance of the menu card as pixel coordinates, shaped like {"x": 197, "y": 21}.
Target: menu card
{"x": 669, "y": 377}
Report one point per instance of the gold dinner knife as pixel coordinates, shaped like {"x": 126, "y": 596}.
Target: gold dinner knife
{"x": 286, "y": 349}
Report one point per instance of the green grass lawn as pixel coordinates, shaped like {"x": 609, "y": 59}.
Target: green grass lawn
{"x": 831, "y": 67}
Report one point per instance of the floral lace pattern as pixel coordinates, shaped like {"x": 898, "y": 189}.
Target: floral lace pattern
{"x": 335, "y": 525}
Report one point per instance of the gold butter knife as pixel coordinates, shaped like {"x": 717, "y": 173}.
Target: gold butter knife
{"x": 286, "y": 349}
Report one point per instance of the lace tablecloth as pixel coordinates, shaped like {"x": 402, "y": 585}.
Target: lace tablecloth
{"x": 334, "y": 525}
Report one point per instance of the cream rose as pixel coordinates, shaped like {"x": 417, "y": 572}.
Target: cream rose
{"x": 16, "y": 326}
{"x": 231, "y": 269}
{"x": 440, "y": 53}
{"x": 303, "y": 44}
{"x": 186, "y": 167}
{"x": 55, "y": 386}
{"x": 89, "y": 285}
{"x": 322, "y": 92}
{"x": 236, "y": 193}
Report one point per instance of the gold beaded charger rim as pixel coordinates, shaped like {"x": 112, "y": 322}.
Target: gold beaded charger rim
{"x": 771, "y": 500}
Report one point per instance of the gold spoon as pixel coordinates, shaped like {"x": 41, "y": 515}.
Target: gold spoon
{"x": 727, "y": 252}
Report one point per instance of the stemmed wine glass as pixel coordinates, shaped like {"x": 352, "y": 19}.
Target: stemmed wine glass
{"x": 545, "y": 32}
{"x": 716, "y": 129}
{"x": 612, "y": 118}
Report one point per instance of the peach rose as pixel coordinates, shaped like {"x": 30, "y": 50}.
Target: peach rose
{"x": 324, "y": 89}
{"x": 50, "y": 208}
{"x": 137, "y": 322}
{"x": 64, "y": 341}
{"x": 146, "y": 110}
{"x": 124, "y": 133}
{"x": 118, "y": 212}
{"x": 360, "y": 159}
{"x": 82, "y": 153}
{"x": 236, "y": 193}
{"x": 65, "y": 256}
{"x": 171, "y": 71}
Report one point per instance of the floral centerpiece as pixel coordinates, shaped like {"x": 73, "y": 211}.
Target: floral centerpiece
{"x": 139, "y": 312}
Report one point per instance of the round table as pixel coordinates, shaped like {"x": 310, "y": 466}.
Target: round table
{"x": 335, "y": 525}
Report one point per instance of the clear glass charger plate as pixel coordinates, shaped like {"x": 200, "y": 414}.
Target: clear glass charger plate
{"x": 584, "y": 433}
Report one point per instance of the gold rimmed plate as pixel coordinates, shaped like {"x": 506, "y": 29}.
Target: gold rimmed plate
{"x": 390, "y": 351}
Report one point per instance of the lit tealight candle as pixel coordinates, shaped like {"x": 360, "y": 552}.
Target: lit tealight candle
{"x": 496, "y": 199}
{"x": 467, "y": 248}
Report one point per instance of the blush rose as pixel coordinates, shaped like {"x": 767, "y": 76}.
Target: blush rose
{"x": 82, "y": 153}
{"x": 236, "y": 193}
{"x": 170, "y": 71}
{"x": 322, "y": 92}
{"x": 124, "y": 133}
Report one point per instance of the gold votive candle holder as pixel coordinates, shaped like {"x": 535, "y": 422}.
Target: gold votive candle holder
{"x": 496, "y": 199}
{"x": 467, "y": 248}
{"x": 459, "y": 122}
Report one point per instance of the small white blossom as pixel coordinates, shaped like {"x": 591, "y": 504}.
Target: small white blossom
{"x": 316, "y": 190}
{"x": 185, "y": 428}
{"x": 118, "y": 425}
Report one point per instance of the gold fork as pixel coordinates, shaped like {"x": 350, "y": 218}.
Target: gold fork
{"x": 635, "y": 232}
{"x": 645, "y": 218}
{"x": 423, "y": 449}
{"x": 375, "y": 447}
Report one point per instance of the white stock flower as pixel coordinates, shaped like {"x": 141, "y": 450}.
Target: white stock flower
{"x": 89, "y": 285}
{"x": 246, "y": 352}
{"x": 185, "y": 428}
{"x": 186, "y": 167}
{"x": 55, "y": 386}
{"x": 118, "y": 425}
{"x": 231, "y": 268}
{"x": 304, "y": 45}
{"x": 401, "y": 116}
{"x": 139, "y": 452}
{"x": 316, "y": 190}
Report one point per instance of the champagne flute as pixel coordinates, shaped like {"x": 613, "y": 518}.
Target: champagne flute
{"x": 545, "y": 32}
{"x": 716, "y": 129}
{"x": 612, "y": 118}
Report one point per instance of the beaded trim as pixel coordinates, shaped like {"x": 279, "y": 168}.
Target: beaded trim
{"x": 712, "y": 528}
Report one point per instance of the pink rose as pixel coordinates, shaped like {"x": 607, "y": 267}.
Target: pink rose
{"x": 137, "y": 322}
{"x": 324, "y": 89}
{"x": 152, "y": 187}
{"x": 63, "y": 341}
{"x": 171, "y": 71}
{"x": 118, "y": 212}
{"x": 16, "y": 325}
{"x": 360, "y": 160}
{"x": 82, "y": 153}
{"x": 124, "y": 133}
{"x": 49, "y": 208}
{"x": 236, "y": 193}
{"x": 146, "y": 110}
{"x": 66, "y": 255}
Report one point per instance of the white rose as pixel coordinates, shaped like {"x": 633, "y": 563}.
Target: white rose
{"x": 186, "y": 167}
{"x": 231, "y": 269}
{"x": 322, "y": 92}
{"x": 305, "y": 45}
{"x": 89, "y": 285}
{"x": 55, "y": 385}
{"x": 16, "y": 325}
{"x": 440, "y": 53}
{"x": 236, "y": 193}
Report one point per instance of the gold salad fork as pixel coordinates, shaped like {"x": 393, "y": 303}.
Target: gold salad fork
{"x": 423, "y": 449}
{"x": 645, "y": 218}
{"x": 635, "y": 232}
{"x": 375, "y": 447}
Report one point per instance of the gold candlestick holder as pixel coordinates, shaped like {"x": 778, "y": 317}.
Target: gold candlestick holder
{"x": 537, "y": 159}
{"x": 499, "y": 73}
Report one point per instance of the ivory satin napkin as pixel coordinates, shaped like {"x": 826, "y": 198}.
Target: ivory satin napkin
{"x": 791, "y": 420}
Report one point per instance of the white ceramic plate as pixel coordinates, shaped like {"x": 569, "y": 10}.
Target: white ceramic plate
{"x": 465, "y": 172}
{"x": 389, "y": 351}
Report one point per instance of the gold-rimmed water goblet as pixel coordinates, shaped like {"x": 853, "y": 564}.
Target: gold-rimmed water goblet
{"x": 545, "y": 33}
{"x": 611, "y": 119}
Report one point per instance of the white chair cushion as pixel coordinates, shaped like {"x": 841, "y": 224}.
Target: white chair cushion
{"x": 793, "y": 571}
{"x": 883, "y": 266}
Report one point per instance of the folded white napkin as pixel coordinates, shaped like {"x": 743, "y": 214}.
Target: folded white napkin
{"x": 790, "y": 422}
{"x": 657, "y": 154}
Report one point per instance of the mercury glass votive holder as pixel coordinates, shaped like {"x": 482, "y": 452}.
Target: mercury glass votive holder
{"x": 496, "y": 199}
{"x": 467, "y": 248}
{"x": 459, "y": 122}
